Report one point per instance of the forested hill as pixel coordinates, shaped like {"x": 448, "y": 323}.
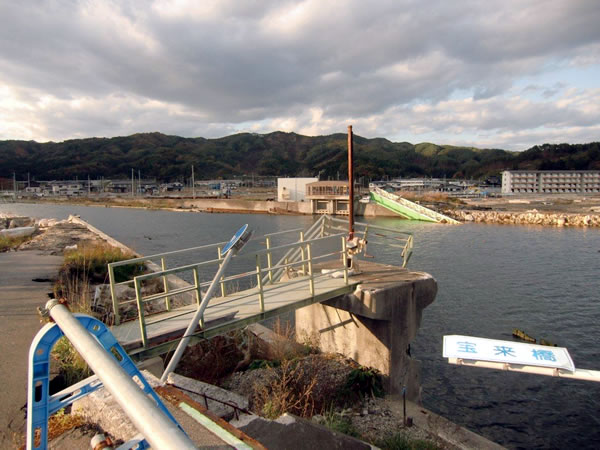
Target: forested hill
{"x": 282, "y": 154}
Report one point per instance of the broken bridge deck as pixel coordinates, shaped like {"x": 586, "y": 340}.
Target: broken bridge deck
{"x": 224, "y": 314}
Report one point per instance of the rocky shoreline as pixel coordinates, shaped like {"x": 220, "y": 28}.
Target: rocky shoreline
{"x": 530, "y": 217}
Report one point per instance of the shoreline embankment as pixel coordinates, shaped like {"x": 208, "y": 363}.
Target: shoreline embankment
{"x": 585, "y": 218}
{"x": 531, "y": 217}
{"x": 212, "y": 205}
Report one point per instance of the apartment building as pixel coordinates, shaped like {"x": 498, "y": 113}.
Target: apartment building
{"x": 551, "y": 181}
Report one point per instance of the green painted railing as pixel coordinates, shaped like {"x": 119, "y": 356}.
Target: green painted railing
{"x": 304, "y": 265}
{"x": 299, "y": 256}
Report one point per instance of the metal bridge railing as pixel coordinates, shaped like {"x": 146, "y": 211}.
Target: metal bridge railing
{"x": 308, "y": 248}
{"x": 304, "y": 265}
{"x": 390, "y": 237}
{"x": 157, "y": 263}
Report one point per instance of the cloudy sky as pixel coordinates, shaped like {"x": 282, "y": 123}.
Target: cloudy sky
{"x": 503, "y": 74}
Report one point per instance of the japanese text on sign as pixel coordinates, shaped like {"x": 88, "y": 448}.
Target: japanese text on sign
{"x": 476, "y": 348}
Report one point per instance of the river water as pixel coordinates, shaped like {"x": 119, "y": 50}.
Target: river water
{"x": 491, "y": 279}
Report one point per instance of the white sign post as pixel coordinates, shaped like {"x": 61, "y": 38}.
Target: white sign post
{"x": 514, "y": 356}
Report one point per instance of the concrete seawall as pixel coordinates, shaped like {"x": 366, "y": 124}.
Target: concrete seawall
{"x": 221, "y": 205}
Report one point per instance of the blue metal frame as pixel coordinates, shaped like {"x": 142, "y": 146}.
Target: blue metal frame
{"x": 40, "y": 405}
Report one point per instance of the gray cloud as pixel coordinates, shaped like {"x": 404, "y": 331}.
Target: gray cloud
{"x": 79, "y": 68}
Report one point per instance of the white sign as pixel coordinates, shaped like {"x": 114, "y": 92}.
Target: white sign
{"x": 476, "y": 348}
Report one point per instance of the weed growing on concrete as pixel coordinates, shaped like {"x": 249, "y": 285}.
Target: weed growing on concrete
{"x": 339, "y": 422}
{"x": 61, "y": 422}
{"x": 72, "y": 367}
{"x": 86, "y": 266}
{"x": 284, "y": 346}
{"x": 77, "y": 292}
{"x": 91, "y": 261}
{"x": 8, "y": 243}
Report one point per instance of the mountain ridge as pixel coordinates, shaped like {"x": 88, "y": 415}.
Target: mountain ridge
{"x": 169, "y": 157}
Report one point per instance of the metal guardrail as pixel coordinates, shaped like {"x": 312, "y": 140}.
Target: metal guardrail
{"x": 300, "y": 256}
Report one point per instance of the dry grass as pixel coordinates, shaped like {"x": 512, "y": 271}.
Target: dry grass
{"x": 71, "y": 366}
{"x": 288, "y": 345}
{"x": 86, "y": 266}
{"x": 287, "y": 390}
{"x": 60, "y": 422}
{"x": 8, "y": 243}
{"x": 91, "y": 261}
{"x": 81, "y": 268}
{"x": 212, "y": 359}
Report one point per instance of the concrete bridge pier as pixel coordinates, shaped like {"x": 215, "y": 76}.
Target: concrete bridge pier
{"x": 375, "y": 324}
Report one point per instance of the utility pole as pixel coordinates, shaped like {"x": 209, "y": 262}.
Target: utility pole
{"x": 193, "y": 184}
{"x": 139, "y": 181}
{"x": 15, "y": 184}
{"x": 89, "y": 186}
{"x": 350, "y": 184}
{"x": 132, "y": 183}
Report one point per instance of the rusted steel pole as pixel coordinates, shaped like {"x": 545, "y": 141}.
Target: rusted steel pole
{"x": 351, "y": 184}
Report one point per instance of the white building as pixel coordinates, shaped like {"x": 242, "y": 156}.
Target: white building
{"x": 69, "y": 188}
{"x": 293, "y": 189}
{"x": 551, "y": 181}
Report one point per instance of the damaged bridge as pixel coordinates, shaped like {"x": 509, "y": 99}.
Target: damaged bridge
{"x": 358, "y": 307}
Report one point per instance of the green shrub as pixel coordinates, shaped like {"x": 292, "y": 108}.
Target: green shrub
{"x": 361, "y": 382}
{"x": 263, "y": 364}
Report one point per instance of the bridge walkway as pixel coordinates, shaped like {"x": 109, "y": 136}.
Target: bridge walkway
{"x": 226, "y": 313}
{"x": 266, "y": 281}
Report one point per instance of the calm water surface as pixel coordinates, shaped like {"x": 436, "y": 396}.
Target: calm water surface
{"x": 491, "y": 279}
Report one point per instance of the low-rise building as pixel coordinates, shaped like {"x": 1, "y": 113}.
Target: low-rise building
{"x": 293, "y": 189}
{"x": 328, "y": 197}
{"x": 69, "y": 188}
{"x": 551, "y": 181}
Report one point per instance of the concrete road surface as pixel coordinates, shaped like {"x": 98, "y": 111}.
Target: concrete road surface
{"x": 19, "y": 322}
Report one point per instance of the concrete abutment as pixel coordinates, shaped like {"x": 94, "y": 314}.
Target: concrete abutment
{"x": 375, "y": 324}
